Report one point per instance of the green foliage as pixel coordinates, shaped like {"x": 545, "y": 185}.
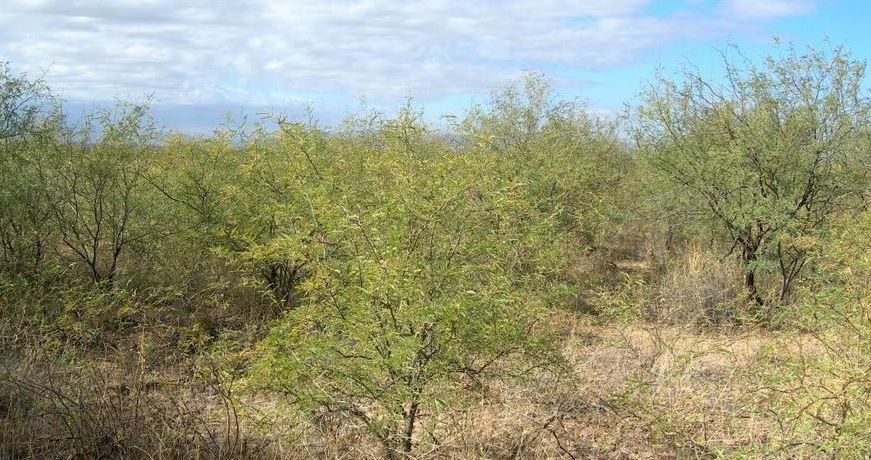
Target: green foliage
{"x": 823, "y": 395}
{"x": 767, "y": 154}
{"x": 573, "y": 163}
{"x": 23, "y": 209}
{"x": 427, "y": 271}
{"x": 22, "y": 101}
{"x": 95, "y": 188}
{"x": 385, "y": 273}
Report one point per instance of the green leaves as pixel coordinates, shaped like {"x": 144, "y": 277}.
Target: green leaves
{"x": 765, "y": 151}
{"x": 386, "y": 270}
{"x": 22, "y": 102}
{"x": 429, "y": 274}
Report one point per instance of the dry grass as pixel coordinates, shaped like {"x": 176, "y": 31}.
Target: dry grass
{"x": 638, "y": 391}
{"x": 633, "y": 393}
{"x": 664, "y": 384}
{"x": 642, "y": 390}
{"x": 698, "y": 288}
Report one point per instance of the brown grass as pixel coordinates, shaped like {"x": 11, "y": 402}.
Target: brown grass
{"x": 638, "y": 390}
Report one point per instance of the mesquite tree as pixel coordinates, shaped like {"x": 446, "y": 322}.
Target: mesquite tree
{"x": 768, "y": 152}
{"x": 93, "y": 175}
{"x": 427, "y": 273}
{"x": 25, "y": 103}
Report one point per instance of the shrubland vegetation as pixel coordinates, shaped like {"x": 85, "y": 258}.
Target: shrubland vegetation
{"x": 531, "y": 281}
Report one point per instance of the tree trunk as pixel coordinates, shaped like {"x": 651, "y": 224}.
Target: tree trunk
{"x": 748, "y": 257}
{"x": 410, "y": 417}
{"x": 752, "y": 291}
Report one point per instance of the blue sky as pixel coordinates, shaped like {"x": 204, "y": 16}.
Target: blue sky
{"x": 199, "y": 59}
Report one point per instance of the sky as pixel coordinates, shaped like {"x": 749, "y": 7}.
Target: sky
{"x": 199, "y": 59}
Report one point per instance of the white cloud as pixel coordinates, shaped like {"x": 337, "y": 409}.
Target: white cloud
{"x": 763, "y": 9}
{"x": 262, "y": 52}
